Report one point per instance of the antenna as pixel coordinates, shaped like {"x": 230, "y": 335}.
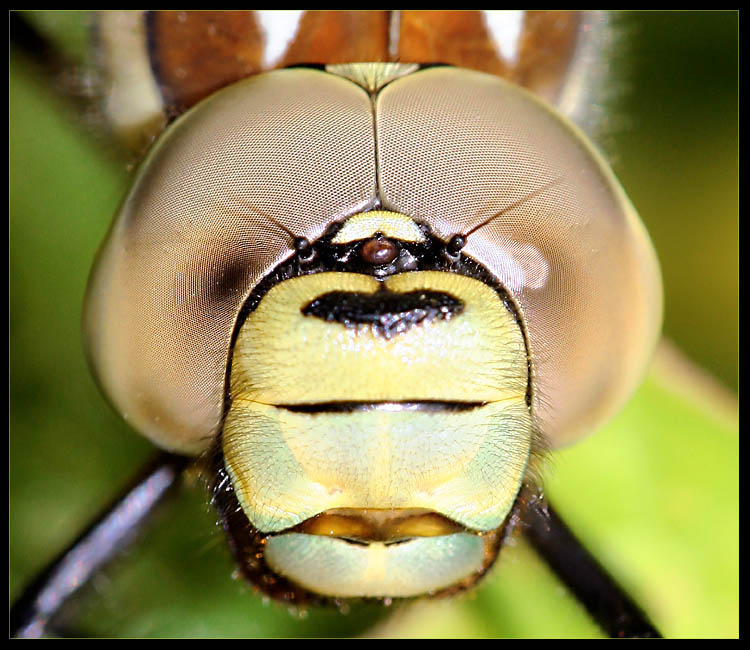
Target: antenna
{"x": 300, "y": 244}
{"x": 457, "y": 242}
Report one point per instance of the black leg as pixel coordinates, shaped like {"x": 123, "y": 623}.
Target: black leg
{"x": 112, "y": 531}
{"x": 617, "y": 614}
{"x": 30, "y": 615}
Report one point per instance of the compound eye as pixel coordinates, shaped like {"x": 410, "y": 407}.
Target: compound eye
{"x": 222, "y": 196}
{"x": 378, "y": 251}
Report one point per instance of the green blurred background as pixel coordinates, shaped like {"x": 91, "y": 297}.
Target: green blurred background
{"x": 655, "y": 494}
{"x": 677, "y": 155}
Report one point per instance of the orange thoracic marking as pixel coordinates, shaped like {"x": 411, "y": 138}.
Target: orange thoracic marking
{"x": 195, "y": 53}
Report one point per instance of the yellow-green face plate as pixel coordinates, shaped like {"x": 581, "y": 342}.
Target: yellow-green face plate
{"x": 442, "y": 425}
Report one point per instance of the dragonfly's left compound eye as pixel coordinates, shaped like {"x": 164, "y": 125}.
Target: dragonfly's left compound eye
{"x": 375, "y": 291}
